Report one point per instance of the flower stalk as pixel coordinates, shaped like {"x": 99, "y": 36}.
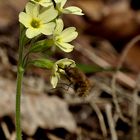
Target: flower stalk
{"x": 18, "y": 102}
{"x": 42, "y": 17}
{"x": 20, "y": 72}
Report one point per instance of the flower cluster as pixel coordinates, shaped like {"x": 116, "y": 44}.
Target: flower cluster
{"x": 42, "y": 17}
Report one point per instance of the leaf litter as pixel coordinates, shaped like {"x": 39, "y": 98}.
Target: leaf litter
{"x": 102, "y": 31}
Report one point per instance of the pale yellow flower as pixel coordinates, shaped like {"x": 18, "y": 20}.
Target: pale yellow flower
{"x": 63, "y": 37}
{"x": 58, "y": 69}
{"x": 36, "y": 22}
{"x": 45, "y": 3}
{"x": 68, "y": 10}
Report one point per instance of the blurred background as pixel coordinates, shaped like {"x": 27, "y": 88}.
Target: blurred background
{"x": 107, "y": 51}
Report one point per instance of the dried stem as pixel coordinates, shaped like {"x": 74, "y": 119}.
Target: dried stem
{"x": 128, "y": 47}
{"x": 101, "y": 119}
{"x": 111, "y": 122}
{"x": 135, "y": 111}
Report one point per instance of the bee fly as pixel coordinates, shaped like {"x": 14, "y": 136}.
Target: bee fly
{"x": 78, "y": 79}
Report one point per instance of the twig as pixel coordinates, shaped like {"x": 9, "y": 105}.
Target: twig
{"x": 101, "y": 119}
{"x": 135, "y": 111}
{"x": 111, "y": 122}
{"x": 5, "y": 130}
{"x": 7, "y": 133}
{"x": 13, "y": 136}
{"x": 113, "y": 83}
{"x": 102, "y": 63}
{"x": 121, "y": 92}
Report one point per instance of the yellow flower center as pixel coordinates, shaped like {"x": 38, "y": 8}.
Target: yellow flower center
{"x": 35, "y": 23}
{"x": 58, "y": 39}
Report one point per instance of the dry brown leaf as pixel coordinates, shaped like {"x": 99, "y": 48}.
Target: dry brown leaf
{"x": 133, "y": 57}
{"x": 9, "y": 10}
{"x": 37, "y": 110}
{"x": 17, "y": 4}
{"x": 107, "y": 18}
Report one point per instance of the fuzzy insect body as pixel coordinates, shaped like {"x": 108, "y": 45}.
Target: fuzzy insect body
{"x": 79, "y": 81}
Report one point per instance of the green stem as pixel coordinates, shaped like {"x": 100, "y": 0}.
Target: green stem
{"x": 18, "y": 99}
{"x": 20, "y": 72}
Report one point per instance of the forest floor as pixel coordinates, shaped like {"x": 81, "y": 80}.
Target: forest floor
{"x": 107, "y": 51}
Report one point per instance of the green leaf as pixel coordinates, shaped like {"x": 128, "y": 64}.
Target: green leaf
{"x": 41, "y": 45}
{"x": 89, "y": 68}
{"x": 42, "y": 63}
{"x": 95, "y": 68}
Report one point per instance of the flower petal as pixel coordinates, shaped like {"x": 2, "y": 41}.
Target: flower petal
{"x": 73, "y": 10}
{"x": 62, "y": 3}
{"x": 66, "y": 47}
{"x": 68, "y": 34}
{"x": 59, "y": 26}
{"x": 35, "y": 11}
{"x": 48, "y": 28}
{"x": 54, "y": 80}
{"x": 48, "y": 15}
{"x": 31, "y": 32}
{"x": 55, "y": 68}
{"x": 45, "y": 3}
{"x": 29, "y": 8}
{"x": 25, "y": 19}
{"x": 65, "y": 62}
